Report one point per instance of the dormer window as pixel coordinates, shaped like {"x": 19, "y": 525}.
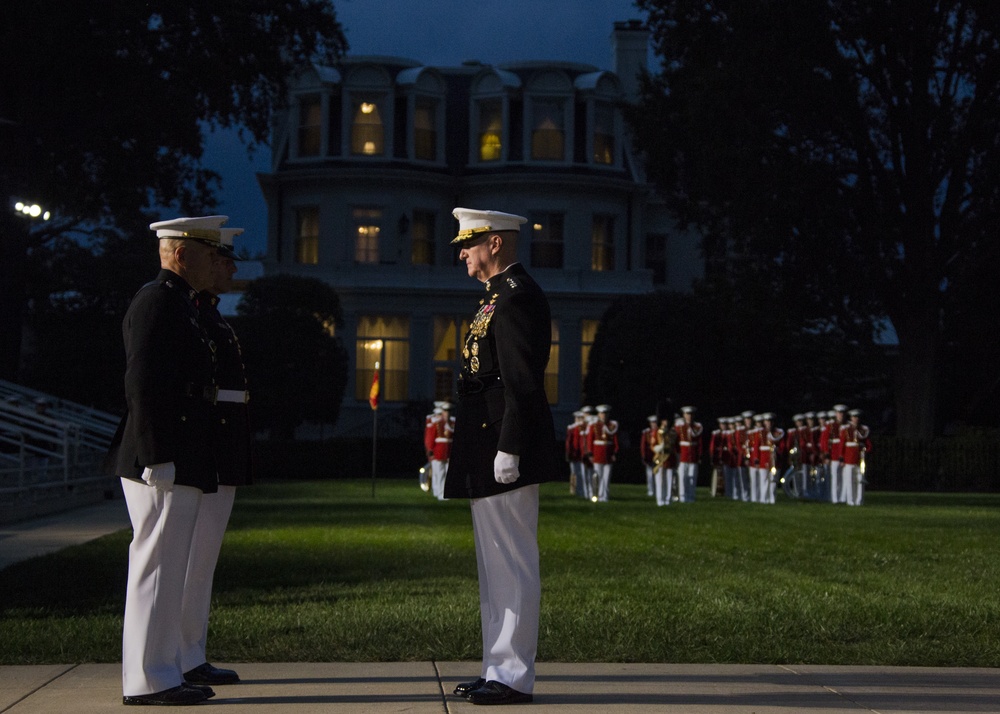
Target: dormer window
{"x": 367, "y": 129}
{"x": 310, "y": 126}
{"x": 490, "y": 130}
{"x": 548, "y": 130}
{"x": 425, "y": 130}
{"x": 604, "y": 133}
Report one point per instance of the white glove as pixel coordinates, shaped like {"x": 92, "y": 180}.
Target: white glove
{"x": 160, "y": 476}
{"x": 505, "y": 467}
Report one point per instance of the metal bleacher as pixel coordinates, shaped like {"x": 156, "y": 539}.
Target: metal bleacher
{"x": 51, "y": 452}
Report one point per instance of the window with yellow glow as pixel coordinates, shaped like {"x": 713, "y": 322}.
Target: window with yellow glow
{"x": 588, "y": 331}
{"x": 552, "y": 368}
{"x": 307, "y": 235}
{"x": 383, "y": 339}
{"x": 490, "y": 130}
{"x": 367, "y": 130}
{"x": 547, "y": 240}
{"x": 449, "y": 339}
{"x": 602, "y": 243}
{"x": 367, "y": 229}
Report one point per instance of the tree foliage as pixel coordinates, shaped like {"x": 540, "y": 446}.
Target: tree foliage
{"x": 843, "y": 153}
{"x": 655, "y": 353}
{"x": 103, "y": 107}
{"x": 296, "y": 367}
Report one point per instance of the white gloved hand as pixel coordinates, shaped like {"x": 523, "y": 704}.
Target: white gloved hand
{"x": 505, "y": 467}
{"x": 160, "y": 476}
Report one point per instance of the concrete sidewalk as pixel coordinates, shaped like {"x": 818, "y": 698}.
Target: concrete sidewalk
{"x": 425, "y": 688}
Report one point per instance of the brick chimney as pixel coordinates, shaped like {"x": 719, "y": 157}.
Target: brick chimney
{"x": 629, "y": 54}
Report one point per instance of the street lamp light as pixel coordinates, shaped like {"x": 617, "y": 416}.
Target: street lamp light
{"x": 32, "y": 210}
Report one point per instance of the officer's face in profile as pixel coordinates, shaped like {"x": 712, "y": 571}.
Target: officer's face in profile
{"x": 197, "y": 258}
{"x": 477, "y": 257}
{"x": 223, "y": 269}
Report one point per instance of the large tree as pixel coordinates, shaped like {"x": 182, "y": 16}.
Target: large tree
{"x": 845, "y": 151}
{"x": 103, "y": 108}
{"x": 296, "y": 366}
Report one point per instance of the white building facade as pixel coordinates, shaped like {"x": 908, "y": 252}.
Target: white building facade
{"x": 371, "y": 157}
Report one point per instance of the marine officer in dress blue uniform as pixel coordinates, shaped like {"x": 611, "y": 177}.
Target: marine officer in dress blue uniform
{"x": 232, "y": 437}
{"x": 164, "y": 453}
{"x": 504, "y": 447}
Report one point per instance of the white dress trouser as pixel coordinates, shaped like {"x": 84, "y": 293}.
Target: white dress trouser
{"x": 506, "y": 533}
{"x": 580, "y": 472}
{"x": 850, "y": 479}
{"x": 687, "y": 477}
{"x": 604, "y": 478}
{"x": 664, "y": 478}
{"x": 162, "y": 529}
{"x": 213, "y": 516}
{"x": 765, "y": 494}
{"x": 835, "y": 495}
{"x": 650, "y": 475}
{"x": 439, "y": 469}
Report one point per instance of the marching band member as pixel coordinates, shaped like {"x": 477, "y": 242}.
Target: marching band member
{"x": 718, "y": 451}
{"x": 587, "y": 463}
{"x": 689, "y": 440}
{"x": 832, "y": 448}
{"x": 663, "y": 475}
{"x": 602, "y": 446}
{"x": 811, "y": 461}
{"x": 796, "y": 438}
{"x": 754, "y": 439}
{"x": 444, "y": 427}
{"x": 574, "y": 453}
{"x": 741, "y": 439}
{"x": 771, "y": 446}
{"x": 647, "y": 442}
{"x": 855, "y": 441}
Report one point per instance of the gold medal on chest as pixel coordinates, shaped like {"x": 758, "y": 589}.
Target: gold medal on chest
{"x": 475, "y": 348}
{"x": 474, "y": 364}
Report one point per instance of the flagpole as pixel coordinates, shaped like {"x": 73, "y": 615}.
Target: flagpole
{"x": 374, "y": 428}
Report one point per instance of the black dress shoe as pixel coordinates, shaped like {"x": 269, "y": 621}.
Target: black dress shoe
{"x": 203, "y": 688}
{"x": 207, "y": 674}
{"x": 179, "y": 696}
{"x": 463, "y": 689}
{"x": 496, "y": 693}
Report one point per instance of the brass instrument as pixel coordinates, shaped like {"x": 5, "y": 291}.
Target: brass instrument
{"x": 425, "y": 477}
{"x": 668, "y": 439}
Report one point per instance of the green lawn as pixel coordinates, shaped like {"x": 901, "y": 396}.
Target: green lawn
{"x": 321, "y": 571}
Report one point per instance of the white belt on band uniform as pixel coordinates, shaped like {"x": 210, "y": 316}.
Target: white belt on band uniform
{"x": 442, "y": 440}
{"x": 765, "y": 448}
{"x": 685, "y": 443}
{"x": 239, "y": 396}
{"x": 851, "y": 443}
{"x": 600, "y": 443}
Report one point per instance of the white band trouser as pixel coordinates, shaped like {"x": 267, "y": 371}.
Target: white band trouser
{"x": 687, "y": 478}
{"x": 439, "y": 470}
{"x": 213, "y": 517}
{"x": 663, "y": 485}
{"x": 851, "y": 490}
{"x": 163, "y": 525}
{"x": 506, "y": 534}
{"x": 835, "y": 482}
{"x": 603, "y": 472}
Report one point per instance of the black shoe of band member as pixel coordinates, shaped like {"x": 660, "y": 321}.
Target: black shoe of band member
{"x": 463, "y": 689}
{"x": 178, "y": 696}
{"x": 207, "y": 674}
{"x": 497, "y": 693}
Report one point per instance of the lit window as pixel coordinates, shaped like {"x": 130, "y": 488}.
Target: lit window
{"x": 367, "y": 229}
{"x": 449, "y": 336}
{"x": 602, "y": 243}
{"x": 552, "y": 368}
{"x": 490, "y": 130}
{"x": 588, "y": 331}
{"x": 547, "y": 131}
{"x": 382, "y": 339}
{"x": 604, "y": 134}
{"x": 425, "y": 130}
{"x": 310, "y": 126}
{"x": 547, "y": 240}
{"x": 367, "y": 131}
{"x": 307, "y": 236}
{"x": 422, "y": 238}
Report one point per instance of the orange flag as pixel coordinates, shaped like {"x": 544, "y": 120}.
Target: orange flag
{"x": 373, "y": 392}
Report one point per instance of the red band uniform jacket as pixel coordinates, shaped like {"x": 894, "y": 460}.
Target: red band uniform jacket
{"x": 502, "y": 404}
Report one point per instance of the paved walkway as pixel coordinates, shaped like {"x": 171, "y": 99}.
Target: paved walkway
{"x": 425, "y": 687}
